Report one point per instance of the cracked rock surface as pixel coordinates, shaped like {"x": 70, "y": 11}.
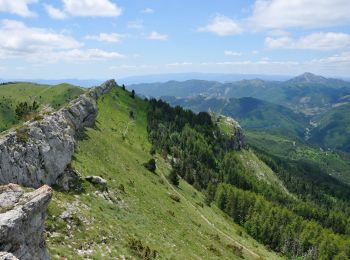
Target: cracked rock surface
{"x": 22, "y": 222}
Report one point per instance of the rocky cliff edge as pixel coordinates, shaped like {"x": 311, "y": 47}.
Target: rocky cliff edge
{"x": 39, "y": 151}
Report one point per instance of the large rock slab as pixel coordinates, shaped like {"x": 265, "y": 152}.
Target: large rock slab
{"x": 39, "y": 151}
{"x": 22, "y": 217}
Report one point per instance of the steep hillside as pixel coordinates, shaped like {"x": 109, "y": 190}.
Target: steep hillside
{"x": 141, "y": 214}
{"x": 11, "y": 94}
{"x": 279, "y": 218}
{"x": 333, "y": 129}
{"x": 250, "y": 112}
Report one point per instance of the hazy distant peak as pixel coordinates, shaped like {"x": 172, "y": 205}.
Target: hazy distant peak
{"x": 308, "y": 77}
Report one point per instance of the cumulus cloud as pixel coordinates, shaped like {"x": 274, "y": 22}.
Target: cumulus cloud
{"x": 315, "y": 41}
{"x": 55, "y": 13}
{"x": 20, "y": 41}
{"x": 222, "y": 26}
{"x": 232, "y": 53}
{"x": 106, "y": 37}
{"x": 94, "y": 8}
{"x": 19, "y": 7}
{"x": 157, "y": 36}
{"x": 295, "y": 14}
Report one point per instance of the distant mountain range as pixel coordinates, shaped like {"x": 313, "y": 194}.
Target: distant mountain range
{"x": 308, "y": 106}
{"x": 251, "y": 113}
{"x": 308, "y": 93}
{"x": 220, "y": 77}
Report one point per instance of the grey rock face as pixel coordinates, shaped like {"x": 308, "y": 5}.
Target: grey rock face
{"x": 39, "y": 151}
{"x": 22, "y": 217}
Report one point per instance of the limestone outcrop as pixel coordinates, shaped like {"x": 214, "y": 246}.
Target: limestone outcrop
{"x": 234, "y": 131}
{"x": 22, "y": 217}
{"x": 39, "y": 151}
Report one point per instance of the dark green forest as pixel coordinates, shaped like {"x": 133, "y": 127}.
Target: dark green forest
{"x": 311, "y": 221}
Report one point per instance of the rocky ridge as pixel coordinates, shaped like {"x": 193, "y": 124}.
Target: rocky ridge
{"x": 39, "y": 151}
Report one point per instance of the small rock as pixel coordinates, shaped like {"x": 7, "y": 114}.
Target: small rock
{"x": 68, "y": 179}
{"x": 97, "y": 180}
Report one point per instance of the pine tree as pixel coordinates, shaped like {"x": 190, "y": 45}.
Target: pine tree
{"x": 174, "y": 178}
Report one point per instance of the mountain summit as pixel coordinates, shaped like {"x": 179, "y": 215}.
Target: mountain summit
{"x": 310, "y": 78}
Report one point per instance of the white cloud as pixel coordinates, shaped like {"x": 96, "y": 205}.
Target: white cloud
{"x": 232, "y": 53}
{"x": 137, "y": 24}
{"x": 94, "y": 8}
{"x": 157, "y": 36}
{"x": 16, "y": 39}
{"x": 55, "y": 13}
{"x": 78, "y": 55}
{"x": 147, "y": 11}
{"x": 299, "y": 13}
{"x": 278, "y": 33}
{"x": 315, "y": 41}
{"x": 19, "y": 7}
{"x": 106, "y": 37}
{"x": 222, "y": 26}
{"x": 339, "y": 59}
{"x": 45, "y": 46}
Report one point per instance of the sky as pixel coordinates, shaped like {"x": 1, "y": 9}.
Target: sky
{"x": 96, "y": 39}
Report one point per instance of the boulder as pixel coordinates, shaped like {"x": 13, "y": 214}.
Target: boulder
{"x": 22, "y": 217}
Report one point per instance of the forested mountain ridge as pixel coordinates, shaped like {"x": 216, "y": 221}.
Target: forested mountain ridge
{"x": 333, "y": 128}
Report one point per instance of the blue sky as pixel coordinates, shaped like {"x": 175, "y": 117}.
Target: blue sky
{"x": 117, "y": 38}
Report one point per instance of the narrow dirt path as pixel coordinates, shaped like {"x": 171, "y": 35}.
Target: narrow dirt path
{"x": 210, "y": 223}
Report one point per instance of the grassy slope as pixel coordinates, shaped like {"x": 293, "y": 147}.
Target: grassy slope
{"x": 336, "y": 164}
{"x": 12, "y": 94}
{"x": 116, "y": 149}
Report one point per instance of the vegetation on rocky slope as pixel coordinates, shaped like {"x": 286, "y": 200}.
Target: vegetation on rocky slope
{"x": 12, "y": 94}
{"x": 142, "y": 215}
